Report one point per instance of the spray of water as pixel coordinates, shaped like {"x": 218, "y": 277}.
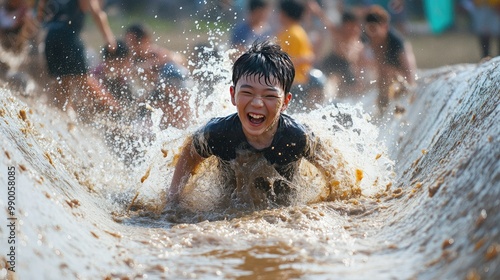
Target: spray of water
{"x": 353, "y": 146}
{"x": 145, "y": 147}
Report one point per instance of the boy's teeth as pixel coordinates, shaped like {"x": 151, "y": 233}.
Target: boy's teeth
{"x": 256, "y": 116}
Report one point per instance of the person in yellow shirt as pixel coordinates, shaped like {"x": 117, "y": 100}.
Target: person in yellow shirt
{"x": 293, "y": 39}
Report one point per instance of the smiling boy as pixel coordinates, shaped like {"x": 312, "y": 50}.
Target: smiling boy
{"x": 259, "y": 137}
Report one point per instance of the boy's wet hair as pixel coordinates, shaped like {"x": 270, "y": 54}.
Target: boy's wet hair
{"x": 293, "y": 8}
{"x": 268, "y": 60}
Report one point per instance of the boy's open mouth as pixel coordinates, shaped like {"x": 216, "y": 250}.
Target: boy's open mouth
{"x": 256, "y": 118}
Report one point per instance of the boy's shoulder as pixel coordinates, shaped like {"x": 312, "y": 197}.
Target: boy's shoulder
{"x": 289, "y": 120}
{"x": 227, "y": 123}
{"x": 220, "y": 137}
{"x": 222, "y": 129}
{"x": 290, "y": 126}
{"x": 292, "y": 141}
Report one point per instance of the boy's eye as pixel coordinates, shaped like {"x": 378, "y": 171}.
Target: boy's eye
{"x": 272, "y": 96}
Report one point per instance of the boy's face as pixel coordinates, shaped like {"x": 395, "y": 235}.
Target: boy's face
{"x": 259, "y": 105}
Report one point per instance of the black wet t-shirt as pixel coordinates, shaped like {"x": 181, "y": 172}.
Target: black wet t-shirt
{"x": 223, "y": 137}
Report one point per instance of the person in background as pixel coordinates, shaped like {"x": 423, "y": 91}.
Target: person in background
{"x": 137, "y": 127}
{"x": 398, "y": 11}
{"x": 172, "y": 97}
{"x": 486, "y": 24}
{"x": 347, "y": 59}
{"x": 65, "y": 51}
{"x": 18, "y": 28}
{"x": 254, "y": 27}
{"x": 205, "y": 75}
{"x": 15, "y": 20}
{"x": 113, "y": 74}
{"x": 258, "y": 148}
{"x": 148, "y": 58}
{"x": 394, "y": 59}
{"x": 309, "y": 82}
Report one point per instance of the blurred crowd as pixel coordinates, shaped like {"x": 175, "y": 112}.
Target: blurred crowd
{"x": 133, "y": 74}
{"x": 340, "y": 49}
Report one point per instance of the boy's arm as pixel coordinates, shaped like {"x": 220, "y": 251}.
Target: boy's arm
{"x": 328, "y": 171}
{"x": 186, "y": 164}
{"x": 319, "y": 156}
{"x": 340, "y": 179}
{"x": 322, "y": 160}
